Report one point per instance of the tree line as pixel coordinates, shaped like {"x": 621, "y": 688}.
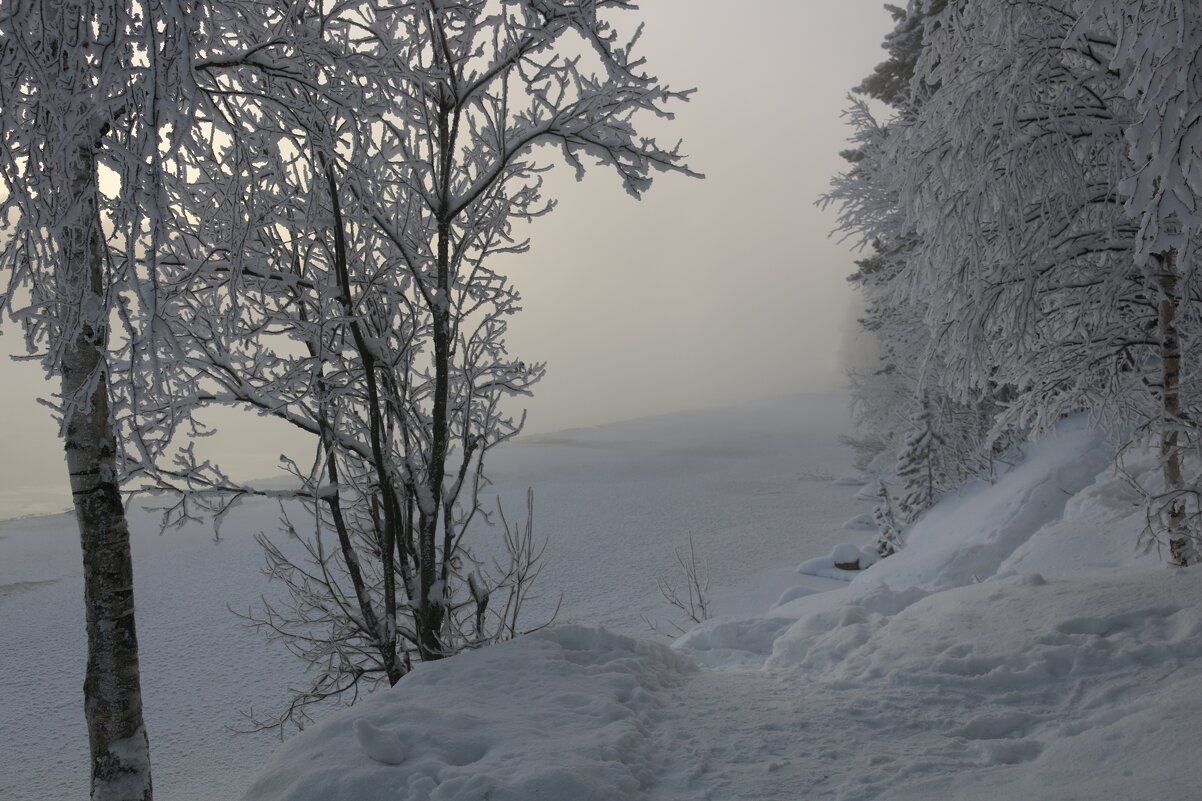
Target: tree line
{"x": 1026, "y": 178}
{"x": 295, "y": 208}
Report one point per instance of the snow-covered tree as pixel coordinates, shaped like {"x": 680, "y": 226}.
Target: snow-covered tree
{"x": 891, "y": 80}
{"x": 918, "y": 465}
{"x": 90, "y": 88}
{"x": 888, "y": 528}
{"x": 1158, "y": 55}
{"x": 1033, "y": 203}
{"x": 375, "y": 181}
{"x": 909, "y": 368}
{"x": 1007, "y": 174}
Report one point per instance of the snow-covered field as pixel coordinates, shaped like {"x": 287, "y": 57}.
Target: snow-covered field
{"x": 751, "y": 486}
{"x": 1019, "y": 649}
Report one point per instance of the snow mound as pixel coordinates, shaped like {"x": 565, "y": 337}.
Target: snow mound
{"x": 741, "y": 642}
{"x": 1011, "y": 634}
{"x": 829, "y": 566}
{"x": 560, "y": 714}
{"x": 1097, "y": 534}
{"x": 383, "y": 746}
{"x": 793, "y": 593}
{"x": 869, "y": 491}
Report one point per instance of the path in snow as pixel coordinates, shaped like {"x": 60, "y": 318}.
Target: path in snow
{"x": 1016, "y": 689}
{"x": 750, "y": 734}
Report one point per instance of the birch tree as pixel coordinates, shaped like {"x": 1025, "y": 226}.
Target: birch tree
{"x": 84, "y": 87}
{"x": 1158, "y": 54}
{"x": 379, "y": 178}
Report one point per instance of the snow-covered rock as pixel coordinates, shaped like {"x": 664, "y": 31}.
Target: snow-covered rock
{"x": 846, "y": 557}
{"x": 842, "y": 564}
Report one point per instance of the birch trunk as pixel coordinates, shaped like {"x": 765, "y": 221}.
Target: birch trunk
{"x": 432, "y": 612}
{"x": 1170, "y": 450}
{"x": 112, "y": 687}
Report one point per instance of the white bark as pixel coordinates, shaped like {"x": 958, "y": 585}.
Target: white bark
{"x": 112, "y": 687}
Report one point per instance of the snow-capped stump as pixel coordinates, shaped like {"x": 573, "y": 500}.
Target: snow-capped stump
{"x": 379, "y": 745}
{"x": 846, "y": 557}
{"x": 842, "y": 564}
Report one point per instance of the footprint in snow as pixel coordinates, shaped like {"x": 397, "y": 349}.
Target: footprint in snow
{"x": 379, "y": 745}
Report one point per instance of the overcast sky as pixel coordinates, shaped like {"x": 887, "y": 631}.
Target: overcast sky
{"x": 703, "y": 294}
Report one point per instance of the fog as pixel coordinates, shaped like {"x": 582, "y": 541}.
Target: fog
{"x": 706, "y": 293}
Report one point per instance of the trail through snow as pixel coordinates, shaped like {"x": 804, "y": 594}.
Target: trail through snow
{"x": 1071, "y": 690}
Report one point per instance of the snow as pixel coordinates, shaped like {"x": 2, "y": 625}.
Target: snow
{"x": 565, "y": 713}
{"x": 383, "y": 746}
{"x": 1071, "y": 545}
{"x": 738, "y": 480}
{"x": 861, "y": 522}
{"x": 1020, "y": 647}
{"x": 969, "y": 535}
{"x": 1004, "y": 672}
{"x": 869, "y": 491}
{"x": 829, "y": 566}
{"x": 1015, "y": 666}
{"x": 1010, "y": 689}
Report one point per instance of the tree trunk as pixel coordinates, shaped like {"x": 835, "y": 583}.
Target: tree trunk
{"x": 1180, "y": 550}
{"x": 383, "y": 629}
{"x": 112, "y": 686}
{"x": 431, "y": 608}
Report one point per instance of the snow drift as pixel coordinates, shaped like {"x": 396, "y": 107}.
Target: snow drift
{"x": 561, "y": 714}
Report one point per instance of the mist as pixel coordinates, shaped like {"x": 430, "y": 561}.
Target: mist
{"x": 706, "y": 293}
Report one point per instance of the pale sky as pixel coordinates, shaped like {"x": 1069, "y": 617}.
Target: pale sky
{"x": 704, "y": 294}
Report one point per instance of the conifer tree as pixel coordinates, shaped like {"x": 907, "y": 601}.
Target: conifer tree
{"x": 918, "y": 464}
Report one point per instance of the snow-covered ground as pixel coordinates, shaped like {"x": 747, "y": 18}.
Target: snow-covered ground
{"x": 752, "y": 487}
{"x": 1019, "y": 648}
